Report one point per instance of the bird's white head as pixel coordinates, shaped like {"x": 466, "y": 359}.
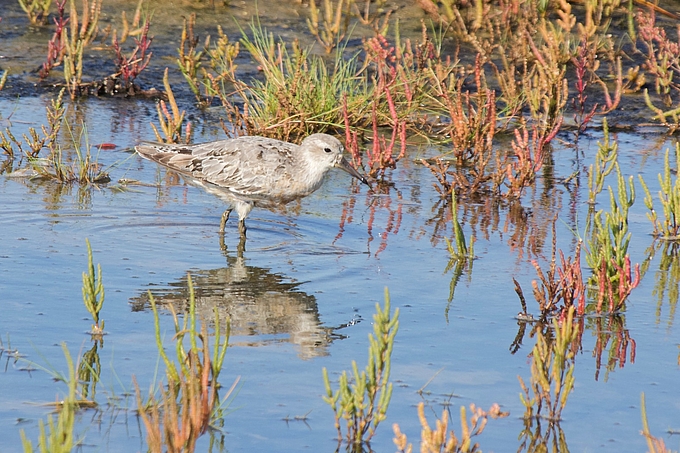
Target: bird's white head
{"x": 325, "y": 152}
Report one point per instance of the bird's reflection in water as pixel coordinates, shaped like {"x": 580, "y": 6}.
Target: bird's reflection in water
{"x": 260, "y": 304}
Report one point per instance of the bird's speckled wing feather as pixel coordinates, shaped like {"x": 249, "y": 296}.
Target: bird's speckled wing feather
{"x": 255, "y": 167}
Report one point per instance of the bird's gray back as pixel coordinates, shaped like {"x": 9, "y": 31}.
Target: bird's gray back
{"x": 248, "y": 166}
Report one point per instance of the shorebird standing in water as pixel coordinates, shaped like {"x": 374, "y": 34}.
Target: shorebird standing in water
{"x": 253, "y": 171}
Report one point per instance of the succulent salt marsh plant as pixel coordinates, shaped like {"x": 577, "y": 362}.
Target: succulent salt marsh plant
{"x": 90, "y": 371}
{"x": 441, "y": 439}
{"x": 607, "y": 247}
{"x": 334, "y": 25}
{"x": 222, "y": 73}
{"x": 130, "y": 66}
{"x": 471, "y": 111}
{"x": 381, "y": 155}
{"x": 56, "y": 45}
{"x": 134, "y": 28}
{"x": 211, "y": 71}
{"x": 529, "y": 155}
{"x": 469, "y": 182}
{"x": 36, "y": 10}
{"x": 55, "y": 116}
{"x": 93, "y": 292}
{"x": 558, "y": 288}
{"x": 663, "y": 64}
{"x": 605, "y": 161}
{"x": 57, "y": 436}
{"x": 188, "y": 405}
{"x": 171, "y": 122}
{"x": 82, "y": 167}
{"x": 190, "y": 59}
{"x": 82, "y": 31}
{"x": 460, "y": 18}
{"x": 362, "y": 399}
{"x": 662, "y": 58}
{"x": 594, "y": 51}
{"x": 391, "y": 105}
{"x": 378, "y": 19}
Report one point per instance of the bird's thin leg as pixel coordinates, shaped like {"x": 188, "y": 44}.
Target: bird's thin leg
{"x": 242, "y": 227}
{"x": 225, "y": 217}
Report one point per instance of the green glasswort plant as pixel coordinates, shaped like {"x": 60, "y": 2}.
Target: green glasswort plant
{"x": 82, "y": 31}
{"x": 57, "y": 435}
{"x": 607, "y": 252}
{"x": 190, "y": 58}
{"x": 669, "y": 196}
{"x": 222, "y": 71}
{"x": 171, "y": 123}
{"x": 363, "y": 403}
{"x": 333, "y": 27}
{"x": 37, "y": 10}
{"x": 605, "y": 160}
{"x": 188, "y": 329}
{"x": 82, "y": 168}
{"x": 207, "y": 71}
{"x": 93, "y": 292}
{"x": 189, "y": 405}
{"x": 552, "y": 371}
{"x": 55, "y": 116}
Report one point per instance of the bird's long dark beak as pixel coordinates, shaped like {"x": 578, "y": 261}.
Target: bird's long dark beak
{"x": 344, "y": 165}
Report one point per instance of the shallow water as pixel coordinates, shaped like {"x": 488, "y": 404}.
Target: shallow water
{"x": 301, "y": 298}
{"x": 302, "y": 295}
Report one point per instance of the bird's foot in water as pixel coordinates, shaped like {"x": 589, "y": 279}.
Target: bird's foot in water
{"x": 225, "y": 218}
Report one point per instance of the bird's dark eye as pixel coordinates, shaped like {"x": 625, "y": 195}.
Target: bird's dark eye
{"x": 328, "y": 150}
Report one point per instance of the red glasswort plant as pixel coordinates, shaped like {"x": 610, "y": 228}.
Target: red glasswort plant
{"x": 473, "y": 116}
{"x": 529, "y": 156}
{"x": 616, "y": 297}
{"x": 381, "y": 155}
{"x": 351, "y": 137}
{"x": 129, "y": 67}
{"x": 56, "y": 46}
{"x": 582, "y": 61}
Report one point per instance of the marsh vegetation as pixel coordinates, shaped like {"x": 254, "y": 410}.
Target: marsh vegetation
{"x": 525, "y": 192}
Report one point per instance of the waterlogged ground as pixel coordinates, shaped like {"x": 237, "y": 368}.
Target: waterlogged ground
{"x": 302, "y": 294}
